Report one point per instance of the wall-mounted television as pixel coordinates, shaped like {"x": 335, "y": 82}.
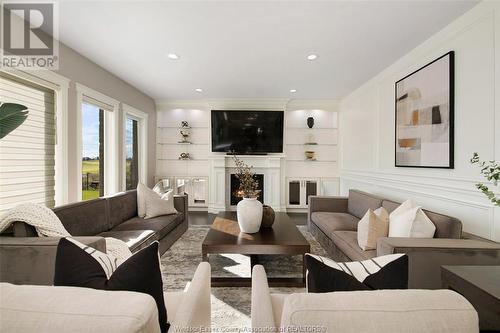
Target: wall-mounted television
{"x": 247, "y": 132}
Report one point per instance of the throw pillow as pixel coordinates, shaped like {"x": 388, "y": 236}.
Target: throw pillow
{"x": 78, "y": 265}
{"x": 156, "y": 205}
{"x": 372, "y": 226}
{"x": 141, "y": 199}
{"x": 386, "y": 272}
{"x": 410, "y": 221}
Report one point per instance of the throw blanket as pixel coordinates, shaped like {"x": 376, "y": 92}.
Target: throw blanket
{"x": 47, "y": 224}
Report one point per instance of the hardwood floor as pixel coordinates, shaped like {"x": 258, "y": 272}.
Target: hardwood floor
{"x": 204, "y": 218}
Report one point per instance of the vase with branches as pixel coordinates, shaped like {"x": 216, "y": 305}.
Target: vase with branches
{"x": 249, "y": 209}
{"x": 248, "y": 184}
{"x": 491, "y": 171}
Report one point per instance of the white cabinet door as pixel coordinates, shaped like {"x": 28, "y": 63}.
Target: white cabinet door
{"x": 199, "y": 193}
{"x": 299, "y": 189}
{"x": 294, "y": 193}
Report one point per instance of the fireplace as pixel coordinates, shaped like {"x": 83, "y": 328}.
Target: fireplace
{"x": 235, "y": 185}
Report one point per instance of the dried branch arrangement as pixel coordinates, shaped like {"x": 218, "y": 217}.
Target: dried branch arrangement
{"x": 248, "y": 184}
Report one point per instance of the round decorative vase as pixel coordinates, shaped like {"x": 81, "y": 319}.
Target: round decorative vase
{"x": 267, "y": 217}
{"x": 249, "y": 213}
{"x": 310, "y": 122}
{"x": 309, "y": 154}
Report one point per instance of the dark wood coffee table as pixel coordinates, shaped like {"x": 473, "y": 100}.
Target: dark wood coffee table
{"x": 481, "y": 286}
{"x": 283, "y": 238}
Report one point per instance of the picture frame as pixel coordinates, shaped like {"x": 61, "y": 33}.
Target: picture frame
{"x": 424, "y": 116}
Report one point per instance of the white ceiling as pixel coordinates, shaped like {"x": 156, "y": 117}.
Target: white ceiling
{"x": 250, "y": 49}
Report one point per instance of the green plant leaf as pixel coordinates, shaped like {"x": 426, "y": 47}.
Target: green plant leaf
{"x": 12, "y": 115}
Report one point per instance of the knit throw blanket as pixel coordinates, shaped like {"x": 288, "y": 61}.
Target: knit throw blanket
{"x": 47, "y": 224}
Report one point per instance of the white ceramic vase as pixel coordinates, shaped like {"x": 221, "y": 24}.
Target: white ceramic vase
{"x": 249, "y": 213}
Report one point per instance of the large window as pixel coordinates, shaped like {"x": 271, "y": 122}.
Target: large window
{"x": 97, "y": 143}
{"x": 27, "y": 154}
{"x": 132, "y": 153}
{"x": 93, "y": 158}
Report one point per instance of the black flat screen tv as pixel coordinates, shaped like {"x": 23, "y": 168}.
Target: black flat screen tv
{"x": 247, "y": 132}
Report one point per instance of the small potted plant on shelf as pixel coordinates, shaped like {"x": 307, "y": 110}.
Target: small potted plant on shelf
{"x": 248, "y": 210}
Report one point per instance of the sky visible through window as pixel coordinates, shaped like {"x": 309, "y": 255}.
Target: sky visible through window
{"x": 90, "y": 130}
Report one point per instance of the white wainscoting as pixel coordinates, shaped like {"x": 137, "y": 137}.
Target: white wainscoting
{"x": 451, "y": 196}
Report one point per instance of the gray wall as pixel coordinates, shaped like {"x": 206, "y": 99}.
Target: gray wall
{"x": 81, "y": 70}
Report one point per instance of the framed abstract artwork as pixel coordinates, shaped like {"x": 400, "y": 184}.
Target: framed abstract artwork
{"x": 424, "y": 116}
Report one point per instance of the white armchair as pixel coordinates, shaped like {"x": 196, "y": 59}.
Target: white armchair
{"x": 29, "y": 308}
{"x": 360, "y": 311}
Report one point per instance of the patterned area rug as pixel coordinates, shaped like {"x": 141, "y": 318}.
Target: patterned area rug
{"x": 230, "y": 306}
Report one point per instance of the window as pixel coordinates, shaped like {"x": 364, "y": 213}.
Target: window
{"x": 135, "y": 146}
{"x": 93, "y": 158}
{"x": 97, "y": 154}
{"x": 132, "y": 153}
{"x": 27, "y": 154}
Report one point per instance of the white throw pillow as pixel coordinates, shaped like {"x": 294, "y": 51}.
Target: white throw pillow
{"x": 407, "y": 205}
{"x": 410, "y": 221}
{"x": 156, "y": 205}
{"x": 141, "y": 199}
{"x": 372, "y": 226}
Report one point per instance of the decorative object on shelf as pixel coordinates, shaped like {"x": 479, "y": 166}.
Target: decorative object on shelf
{"x": 185, "y": 136}
{"x": 491, "y": 171}
{"x": 184, "y": 156}
{"x": 424, "y": 116}
{"x": 310, "y": 122}
{"x": 309, "y": 155}
{"x": 268, "y": 216}
{"x": 248, "y": 210}
{"x": 185, "y": 124}
{"x": 12, "y": 115}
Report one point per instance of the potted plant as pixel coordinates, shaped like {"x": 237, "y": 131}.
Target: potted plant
{"x": 491, "y": 171}
{"x": 249, "y": 209}
{"x": 12, "y": 115}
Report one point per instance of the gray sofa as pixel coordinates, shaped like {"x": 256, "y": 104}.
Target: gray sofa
{"x": 333, "y": 221}
{"x": 28, "y": 259}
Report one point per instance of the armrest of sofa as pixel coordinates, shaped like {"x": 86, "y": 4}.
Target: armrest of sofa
{"x": 389, "y": 245}
{"x": 181, "y": 202}
{"x": 194, "y": 311}
{"x": 427, "y": 255}
{"x": 326, "y": 204}
{"x": 262, "y": 308}
{"x": 31, "y": 260}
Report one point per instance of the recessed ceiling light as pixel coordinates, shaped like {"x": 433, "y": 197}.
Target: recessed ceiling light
{"x": 173, "y": 56}
{"x": 293, "y": 90}
{"x": 198, "y": 90}
{"x": 312, "y": 57}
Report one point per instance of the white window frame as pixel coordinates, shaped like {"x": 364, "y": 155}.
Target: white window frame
{"x": 60, "y": 85}
{"x": 142, "y": 137}
{"x": 111, "y": 139}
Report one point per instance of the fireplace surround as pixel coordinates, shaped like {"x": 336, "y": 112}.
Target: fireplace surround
{"x": 270, "y": 167}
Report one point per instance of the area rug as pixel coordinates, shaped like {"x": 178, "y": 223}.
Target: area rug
{"x": 230, "y": 306}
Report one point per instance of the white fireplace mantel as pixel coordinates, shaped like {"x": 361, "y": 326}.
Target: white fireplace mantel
{"x": 221, "y": 167}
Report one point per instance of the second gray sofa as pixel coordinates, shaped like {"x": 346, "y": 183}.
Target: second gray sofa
{"x": 334, "y": 221}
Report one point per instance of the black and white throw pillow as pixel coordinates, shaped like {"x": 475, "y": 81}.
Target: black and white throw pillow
{"x": 385, "y": 272}
{"x": 78, "y": 265}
